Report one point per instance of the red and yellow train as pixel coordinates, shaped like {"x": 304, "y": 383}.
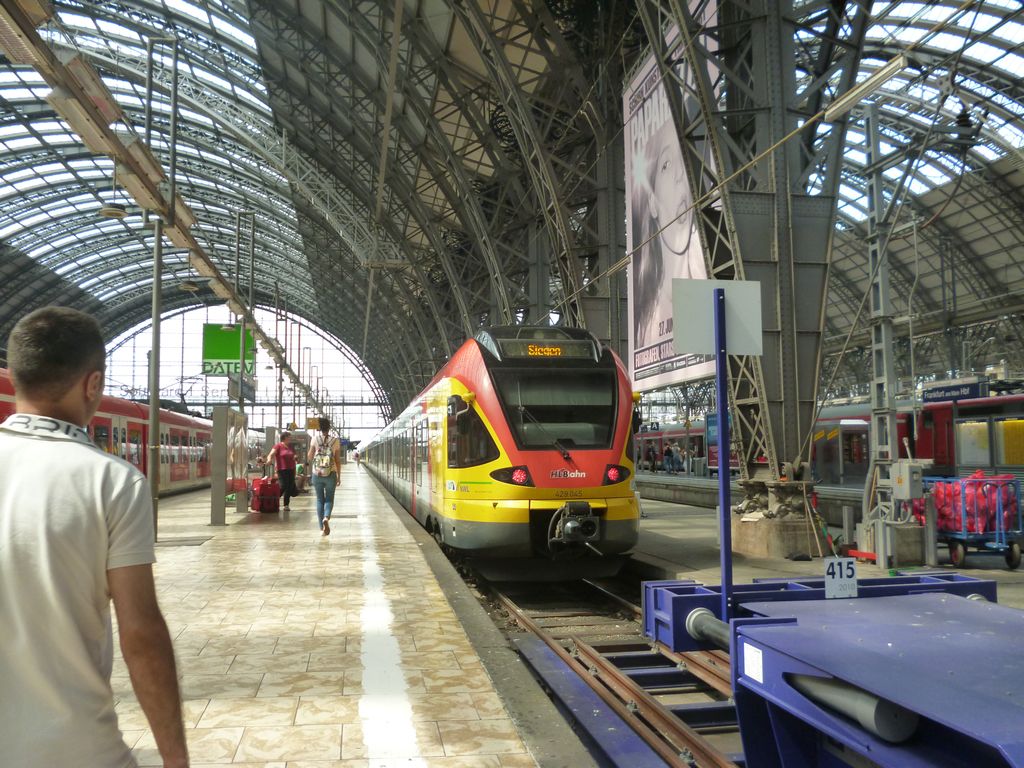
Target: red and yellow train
{"x": 121, "y": 427}
{"x": 520, "y": 448}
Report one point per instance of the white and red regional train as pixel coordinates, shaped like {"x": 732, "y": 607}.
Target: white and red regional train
{"x": 121, "y": 427}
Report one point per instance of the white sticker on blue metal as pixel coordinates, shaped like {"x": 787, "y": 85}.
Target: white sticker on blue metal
{"x": 840, "y": 577}
{"x": 753, "y": 665}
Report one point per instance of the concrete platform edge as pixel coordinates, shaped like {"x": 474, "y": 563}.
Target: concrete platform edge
{"x": 543, "y": 728}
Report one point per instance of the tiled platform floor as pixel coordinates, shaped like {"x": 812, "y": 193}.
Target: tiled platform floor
{"x": 298, "y": 650}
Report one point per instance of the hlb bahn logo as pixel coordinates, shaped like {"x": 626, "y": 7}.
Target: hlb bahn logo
{"x": 559, "y": 474}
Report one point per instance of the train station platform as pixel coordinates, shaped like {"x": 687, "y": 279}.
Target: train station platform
{"x": 679, "y": 541}
{"x": 365, "y": 649}
{"x": 362, "y": 649}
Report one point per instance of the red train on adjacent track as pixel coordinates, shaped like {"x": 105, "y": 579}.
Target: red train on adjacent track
{"x": 959, "y": 436}
{"x": 121, "y": 427}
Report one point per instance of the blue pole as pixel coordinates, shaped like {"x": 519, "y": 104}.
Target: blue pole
{"x": 724, "y": 480}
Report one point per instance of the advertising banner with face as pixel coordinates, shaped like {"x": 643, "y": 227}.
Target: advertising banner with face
{"x": 661, "y": 233}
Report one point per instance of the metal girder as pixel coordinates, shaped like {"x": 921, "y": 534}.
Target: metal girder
{"x": 435, "y": 75}
{"x": 395, "y": 311}
{"x": 348, "y": 155}
{"x": 258, "y": 135}
{"x": 489, "y": 35}
{"x": 307, "y": 179}
{"x": 765, "y": 192}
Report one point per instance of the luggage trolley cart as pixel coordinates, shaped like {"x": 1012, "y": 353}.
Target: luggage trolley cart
{"x": 983, "y": 513}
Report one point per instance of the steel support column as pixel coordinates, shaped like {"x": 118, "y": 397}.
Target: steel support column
{"x": 765, "y": 196}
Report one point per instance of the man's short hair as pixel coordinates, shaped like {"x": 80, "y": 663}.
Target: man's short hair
{"x": 48, "y": 349}
{"x": 285, "y": 433}
{"x": 325, "y": 424}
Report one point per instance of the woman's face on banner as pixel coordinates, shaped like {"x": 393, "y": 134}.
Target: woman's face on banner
{"x": 670, "y": 197}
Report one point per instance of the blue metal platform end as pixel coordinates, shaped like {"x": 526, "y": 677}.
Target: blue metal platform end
{"x": 954, "y": 663}
{"x": 666, "y": 604}
{"x": 609, "y": 738}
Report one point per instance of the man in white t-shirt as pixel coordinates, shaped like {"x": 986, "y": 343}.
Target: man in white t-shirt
{"x": 76, "y": 532}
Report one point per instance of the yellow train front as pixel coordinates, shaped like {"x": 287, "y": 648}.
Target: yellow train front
{"x": 520, "y": 450}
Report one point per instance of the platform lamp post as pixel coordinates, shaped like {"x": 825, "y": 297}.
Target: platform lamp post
{"x": 304, "y": 358}
{"x": 312, "y": 385}
{"x": 280, "y": 367}
{"x": 153, "y": 463}
{"x": 242, "y": 316}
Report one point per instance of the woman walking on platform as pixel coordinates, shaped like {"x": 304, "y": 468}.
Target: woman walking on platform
{"x": 325, "y": 459}
{"x": 283, "y": 458}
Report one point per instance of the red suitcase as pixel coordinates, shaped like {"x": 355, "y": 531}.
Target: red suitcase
{"x": 266, "y": 495}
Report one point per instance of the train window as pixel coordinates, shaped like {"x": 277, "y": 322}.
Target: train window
{"x": 576, "y": 412}
{"x": 469, "y": 442}
{"x": 1009, "y": 440}
{"x": 101, "y": 436}
{"x": 972, "y": 443}
{"x": 124, "y": 442}
{"x": 175, "y": 448}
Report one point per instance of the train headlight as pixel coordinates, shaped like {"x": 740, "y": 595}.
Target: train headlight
{"x": 513, "y": 476}
{"x": 614, "y": 473}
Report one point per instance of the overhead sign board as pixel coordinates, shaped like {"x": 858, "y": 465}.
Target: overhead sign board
{"x": 955, "y": 391}
{"x": 711, "y": 428}
{"x": 694, "y": 300}
{"x": 248, "y": 387}
{"x": 222, "y": 350}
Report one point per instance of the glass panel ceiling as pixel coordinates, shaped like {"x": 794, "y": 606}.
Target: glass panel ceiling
{"x": 51, "y": 187}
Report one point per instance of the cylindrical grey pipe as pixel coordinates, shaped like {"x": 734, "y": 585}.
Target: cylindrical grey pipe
{"x": 883, "y": 718}
{"x": 701, "y": 624}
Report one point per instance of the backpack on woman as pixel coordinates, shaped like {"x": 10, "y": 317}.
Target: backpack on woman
{"x": 323, "y": 458}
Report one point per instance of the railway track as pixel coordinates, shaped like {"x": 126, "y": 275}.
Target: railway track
{"x": 678, "y": 703}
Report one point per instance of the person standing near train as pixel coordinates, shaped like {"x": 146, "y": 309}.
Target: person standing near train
{"x": 76, "y": 532}
{"x": 283, "y": 457}
{"x": 325, "y": 459}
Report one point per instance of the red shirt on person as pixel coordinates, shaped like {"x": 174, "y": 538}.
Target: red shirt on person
{"x": 284, "y": 456}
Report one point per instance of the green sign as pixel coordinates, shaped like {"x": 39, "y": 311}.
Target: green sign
{"x": 221, "y": 348}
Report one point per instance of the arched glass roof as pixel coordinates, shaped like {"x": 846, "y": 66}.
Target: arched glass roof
{"x": 398, "y": 196}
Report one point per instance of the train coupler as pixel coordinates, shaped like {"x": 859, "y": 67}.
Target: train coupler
{"x": 574, "y": 523}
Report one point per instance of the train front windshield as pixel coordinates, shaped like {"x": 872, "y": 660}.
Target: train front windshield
{"x": 565, "y": 409}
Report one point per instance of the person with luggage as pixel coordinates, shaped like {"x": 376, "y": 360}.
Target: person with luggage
{"x": 325, "y": 459}
{"x": 283, "y": 457}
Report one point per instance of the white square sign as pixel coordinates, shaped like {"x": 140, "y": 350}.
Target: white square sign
{"x": 840, "y": 577}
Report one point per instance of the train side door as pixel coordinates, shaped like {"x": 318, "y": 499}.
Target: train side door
{"x": 117, "y": 435}
{"x": 422, "y": 465}
{"x": 177, "y": 466}
{"x": 165, "y": 458}
{"x": 203, "y": 441}
{"x": 134, "y": 453}
{"x": 100, "y": 432}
